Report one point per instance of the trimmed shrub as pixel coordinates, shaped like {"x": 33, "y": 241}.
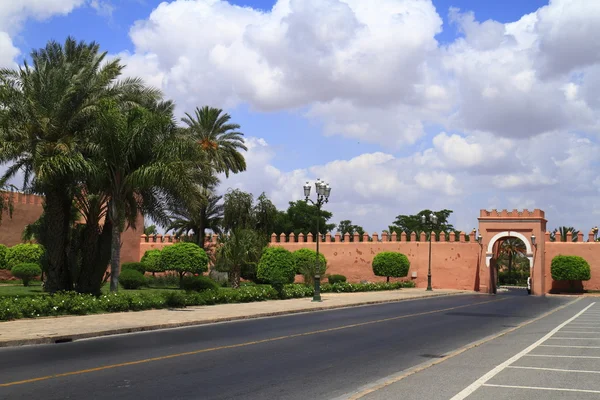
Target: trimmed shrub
{"x": 389, "y": 263}
{"x": 184, "y": 257}
{"x": 570, "y": 268}
{"x": 198, "y": 284}
{"x": 276, "y": 266}
{"x": 24, "y": 253}
{"x": 333, "y": 279}
{"x": 26, "y": 272}
{"x": 3, "y": 251}
{"x": 131, "y": 279}
{"x": 136, "y": 266}
{"x": 305, "y": 260}
{"x": 151, "y": 261}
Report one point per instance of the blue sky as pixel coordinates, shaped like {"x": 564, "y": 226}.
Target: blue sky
{"x": 477, "y": 116}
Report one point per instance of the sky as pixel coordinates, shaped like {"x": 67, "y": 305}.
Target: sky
{"x": 401, "y": 105}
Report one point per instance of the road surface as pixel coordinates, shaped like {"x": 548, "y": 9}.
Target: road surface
{"x": 319, "y": 355}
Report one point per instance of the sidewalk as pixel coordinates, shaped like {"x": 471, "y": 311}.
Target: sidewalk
{"x": 52, "y": 329}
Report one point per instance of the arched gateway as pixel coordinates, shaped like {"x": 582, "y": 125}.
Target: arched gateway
{"x": 529, "y": 227}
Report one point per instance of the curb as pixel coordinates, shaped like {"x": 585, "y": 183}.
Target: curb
{"x": 110, "y": 332}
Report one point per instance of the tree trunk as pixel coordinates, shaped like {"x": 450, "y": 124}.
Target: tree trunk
{"x": 388, "y": 279}
{"x": 55, "y": 237}
{"x": 510, "y": 258}
{"x": 115, "y": 248}
{"x": 96, "y": 247}
{"x": 202, "y": 228}
{"x": 234, "y": 276}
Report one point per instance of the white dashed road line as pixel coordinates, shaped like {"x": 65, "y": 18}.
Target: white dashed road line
{"x": 485, "y": 378}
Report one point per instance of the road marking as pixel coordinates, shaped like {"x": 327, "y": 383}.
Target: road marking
{"x": 556, "y": 369}
{"x": 574, "y": 347}
{"x": 561, "y": 356}
{"x": 542, "y": 388}
{"x": 573, "y": 338}
{"x": 579, "y": 331}
{"x": 499, "y": 368}
{"x": 390, "y": 380}
{"x": 233, "y": 346}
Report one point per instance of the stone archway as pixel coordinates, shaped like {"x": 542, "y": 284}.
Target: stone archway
{"x": 497, "y": 225}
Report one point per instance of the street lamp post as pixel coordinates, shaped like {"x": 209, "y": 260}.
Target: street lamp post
{"x": 433, "y": 220}
{"x": 323, "y": 190}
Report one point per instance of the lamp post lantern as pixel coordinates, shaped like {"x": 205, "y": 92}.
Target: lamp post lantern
{"x": 323, "y": 190}
{"x": 430, "y": 223}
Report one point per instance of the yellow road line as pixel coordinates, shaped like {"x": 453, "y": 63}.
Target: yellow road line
{"x": 233, "y": 346}
{"x": 419, "y": 368}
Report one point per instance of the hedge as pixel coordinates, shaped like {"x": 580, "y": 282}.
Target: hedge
{"x": 570, "y": 268}
{"x": 336, "y": 278}
{"x": 198, "y": 283}
{"x": 131, "y": 279}
{"x": 136, "y": 266}
{"x": 389, "y": 263}
{"x": 3, "y": 251}
{"x": 26, "y": 272}
{"x": 24, "y": 253}
{"x": 305, "y": 260}
{"x": 276, "y": 266}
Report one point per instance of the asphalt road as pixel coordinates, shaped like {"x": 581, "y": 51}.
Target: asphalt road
{"x": 320, "y": 355}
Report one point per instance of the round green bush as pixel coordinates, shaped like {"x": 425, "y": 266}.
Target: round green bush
{"x": 24, "y": 253}
{"x": 136, "y": 266}
{"x": 390, "y": 263}
{"x": 131, "y": 279}
{"x": 26, "y": 272}
{"x": 151, "y": 260}
{"x": 198, "y": 283}
{"x": 3, "y": 251}
{"x": 336, "y": 279}
{"x": 184, "y": 257}
{"x": 570, "y": 268}
{"x": 276, "y": 266}
{"x": 305, "y": 260}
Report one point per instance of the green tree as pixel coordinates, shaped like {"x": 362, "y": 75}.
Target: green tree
{"x": 389, "y": 263}
{"x": 140, "y": 157}
{"x": 265, "y": 215}
{"x": 46, "y": 109}
{"x": 6, "y": 200}
{"x": 570, "y": 268}
{"x": 301, "y": 217}
{"x": 218, "y": 138}
{"x": 564, "y": 230}
{"x": 207, "y": 214}
{"x": 413, "y": 223}
{"x": 238, "y": 210}
{"x": 346, "y": 226}
{"x": 184, "y": 258}
{"x": 241, "y": 247}
{"x": 511, "y": 247}
{"x": 150, "y": 230}
{"x": 306, "y": 264}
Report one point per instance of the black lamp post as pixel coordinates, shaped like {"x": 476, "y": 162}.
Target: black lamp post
{"x": 323, "y": 190}
{"x": 430, "y": 223}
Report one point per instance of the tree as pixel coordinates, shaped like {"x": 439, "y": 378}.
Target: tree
{"x": 6, "y": 201}
{"x": 564, "y": 230}
{"x": 346, "y": 226}
{"x": 242, "y": 247}
{"x": 301, "y": 217}
{"x": 306, "y": 264}
{"x": 45, "y": 112}
{"x": 218, "y": 138}
{"x": 511, "y": 247}
{"x": 265, "y": 215}
{"x": 389, "y": 263}
{"x": 238, "y": 210}
{"x": 184, "y": 258}
{"x": 570, "y": 268}
{"x": 207, "y": 214}
{"x": 140, "y": 158}
{"x": 150, "y": 230}
{"x": 413, "y": 223}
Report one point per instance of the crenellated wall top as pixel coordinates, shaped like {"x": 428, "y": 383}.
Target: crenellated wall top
{"x": 525, "y": 213}
{"x": 23, "y": 198}
{"x": 376, "y": 238}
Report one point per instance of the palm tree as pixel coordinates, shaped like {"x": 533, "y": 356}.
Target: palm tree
{"x": 564, "y": 230}
{"x": 239, "y": 248}
{"x": 218, "y": 138}
{"x": 208, "y": 215}
{"x": 46, "y": 109}
{"x": 142, "y": 162}
{"x": 511, "y": 247}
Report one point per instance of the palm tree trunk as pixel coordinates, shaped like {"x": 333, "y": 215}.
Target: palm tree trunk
{"x": 57, "y": 208}
{"x": 234, "y": 276}
{"x": 202, "y": 227}
{"x": 510, "y": 259}
{"x": 115, "y": 248}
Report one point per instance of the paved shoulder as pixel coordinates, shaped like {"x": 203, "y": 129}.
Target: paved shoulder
{"x": 554, "y": 357}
